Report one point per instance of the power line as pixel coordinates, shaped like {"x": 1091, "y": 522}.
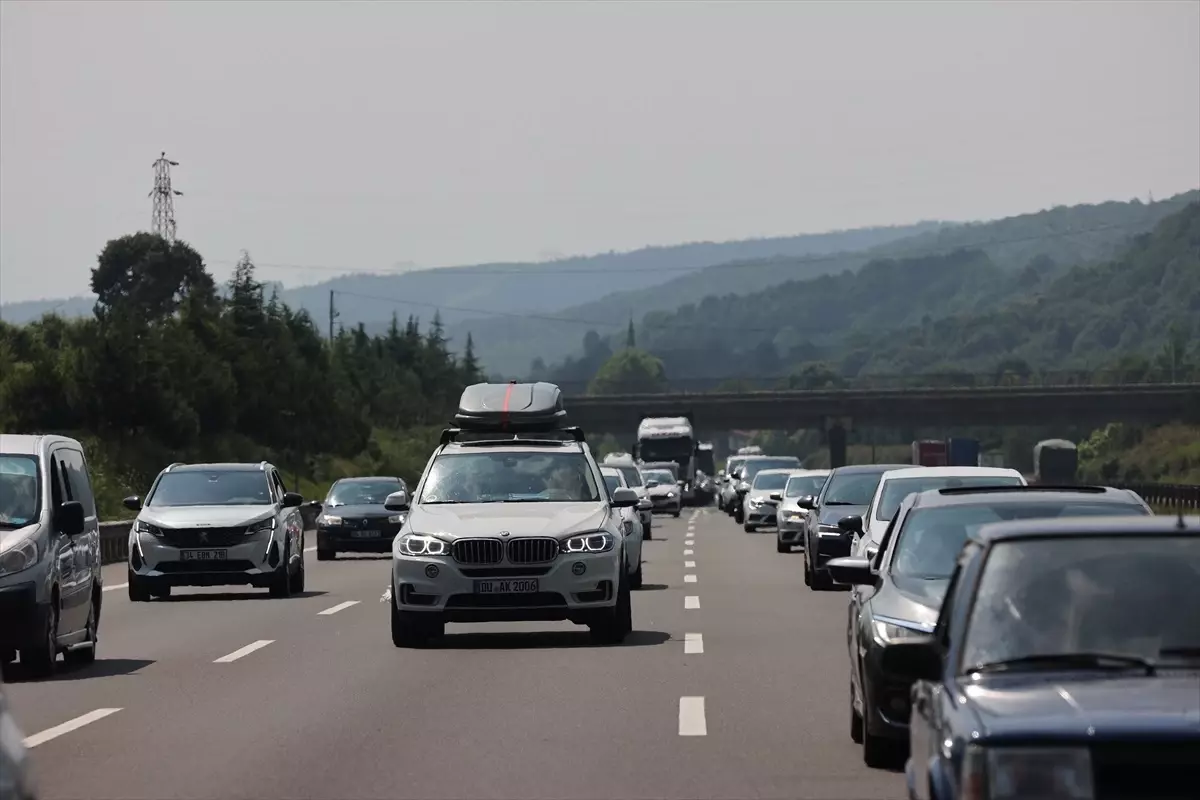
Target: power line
{"x": 162, "y": 218}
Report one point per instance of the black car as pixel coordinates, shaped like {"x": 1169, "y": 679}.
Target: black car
{"x": 898, "y": 596}
{"x": 353, "y": 519}
{"x": 846, "y": 493}
{"x": 1065, "y": 664}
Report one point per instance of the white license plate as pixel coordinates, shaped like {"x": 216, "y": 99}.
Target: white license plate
{"x": 364, "y": 534}
{"x": 203, "y": 555}
{"x": 514, "y": 586}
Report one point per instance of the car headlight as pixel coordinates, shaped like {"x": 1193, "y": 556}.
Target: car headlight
{"x": 588, "y": 543}
{"x": 888, "y": 630}
{"x": 21, "y": 557}
{"x": 329, "y": 519}
{"x": 145, "y": 527}
{"x": 792, "y": 516}
{"x": 1027, "y": 773}
{"x": 420, "y": 544}
{"x": 396, "y": 519}
{"x": 267, "y": 524}
{"x": 755, "y": 502}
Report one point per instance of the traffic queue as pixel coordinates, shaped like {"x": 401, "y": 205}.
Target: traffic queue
{"x": 1003, "y": 639}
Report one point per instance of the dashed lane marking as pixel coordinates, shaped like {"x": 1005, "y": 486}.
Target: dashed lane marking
{"x": 689, "y": 578}
{"x": 337, "y": 608}
{"x": 116, "y": 586}
{"x": 68, "y": 726}
{"x": 689, "y": 565}
{"x": 691, "y": 717}
{"x": 689, "y": 552}
{"x": 691, "y": 601}
{"x": 693, "y": 643}
{"x": 245, "y": 651}
{"x": 689, "y": 542}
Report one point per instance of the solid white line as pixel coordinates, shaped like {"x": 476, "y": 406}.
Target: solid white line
{"x": 693, "y": 643}
{"x": 67, "y": 727}
{"x": 689, "y": 564}
{"x": 337, "y": 608}
{"x": 689, "y": 578}
{"x": 691, "y": 717}
{"x": 115, "y": 586}
{"x": 245, "y": 651}
{"x": 691, "y": 601}
{"x": 689, "y": 552}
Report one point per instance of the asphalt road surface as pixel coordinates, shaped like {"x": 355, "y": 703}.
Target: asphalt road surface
{"x": 733, "y": 685}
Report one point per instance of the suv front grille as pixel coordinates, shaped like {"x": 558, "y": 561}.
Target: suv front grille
{"x": 532, "y": 551}
{"x": 478, "y": 551}
{"x": 203, "y": 537}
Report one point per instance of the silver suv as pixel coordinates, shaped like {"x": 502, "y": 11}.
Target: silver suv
{"x": 511, "y": 521}
{"x": 216, "y": 525}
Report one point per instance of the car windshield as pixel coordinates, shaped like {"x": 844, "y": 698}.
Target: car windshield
{"x": 851, "y": 488}
{"x": 613, "y": 482}
{"x": 361, "y": 493}
{"x": 633, "y": 475}
{"x": 1136, "y": 595}
{"x": 491, "y": 477}
{"x": 665, "y": 448}
{"x": 770, "y": 481}
{"x": 216, "y": 488}
{"x": 896, "y": 489}
{"x": 930, "y": 538}
{"x": 804, "y": 485}
{"x": 20, "y": 500}
{"x": 663, "y": 477}
{"x": 733, "y": 464}
{"x": 757, "y": 465}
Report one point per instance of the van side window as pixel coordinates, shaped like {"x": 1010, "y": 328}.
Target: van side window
{"x": 79, "y": 485}
{"x": 56, "y": 490}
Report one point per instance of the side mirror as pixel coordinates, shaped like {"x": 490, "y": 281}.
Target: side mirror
{"x": 133, "y": 502}
{"x": 396, "y": 501}
{"x": 807, "y": 502}
{"x": 776, "y": 496}
{"x": 650, "y": 484}
{"x": 679, "y": 483}
{"x": 69, "y": 518}
{"x": 292, "y": 499}
{"x": 919, "y": 660}
{"x": 851, "y": 524}
{"x": 644, "y": 503}
{"x": 624, "y": 498}
{"x": 853, "y": 571}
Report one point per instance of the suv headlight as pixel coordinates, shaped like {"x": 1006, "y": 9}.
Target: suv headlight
{"x": 267, "y": 524}
{"x": 1027, "y": 773}
{"x": 419, "y": 544}
{"x": 329, "y": 519}
{"x": 890, "y": 631}
{"x": 394, "y": 519}
{"x": 21, "y": 557}
{"x": 588, "y": 543}
{"x": 141, "y": 526}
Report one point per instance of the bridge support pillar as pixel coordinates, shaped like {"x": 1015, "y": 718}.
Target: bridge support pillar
{"x": 836, "y": 435}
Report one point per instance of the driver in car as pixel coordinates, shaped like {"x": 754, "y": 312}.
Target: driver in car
{"x": 17, "y": 498}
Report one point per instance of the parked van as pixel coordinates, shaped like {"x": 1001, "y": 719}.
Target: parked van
{"x": 50, "y": 581}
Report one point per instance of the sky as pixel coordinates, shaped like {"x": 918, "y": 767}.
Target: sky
{"x": 391, "y": 135}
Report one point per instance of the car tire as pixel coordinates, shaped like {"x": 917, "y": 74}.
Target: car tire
{"x": 615, "y": 623}
{"x": 646, "y": 531}
{"x": 878, "y": 752}
{"x": 748, "y": 528}
{"x": 676, "y": 513}
{"x": 139, "y": 591}
{"x": 739, "y": 516}
{"x": 83, "y": 656}
{"x": 807, "y": 570}
{"x": 635, "y": 580}
{"x": 782, "y": 547}
{"x": 297, "y": 579}
{"x": 40, "y": 659}
{"x": 821, "y": 581}
{"x": 161, "y": 593}
{"x": 856, "y": 721}
{"x": 413, "y": 629}
{"x": 326, "y": 555}
{"x": 281, "y": 580}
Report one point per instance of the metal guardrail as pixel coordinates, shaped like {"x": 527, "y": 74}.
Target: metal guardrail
{"x": 114, "y": 536}
{"x": 1168, "y": 495}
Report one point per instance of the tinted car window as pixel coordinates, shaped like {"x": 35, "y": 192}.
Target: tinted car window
{"x": 76, "y": 474}
{"x": 804, "y": 485}
{"x": 20, "y": 500}
{"x": 661, "y": 475}
{"x": 771, "y": 481}
{"x": 361, "y": 493}
{"x": 510, "y": 477}
{"x": 234, "y": 488}
{"x": 613, "y": 483}
{"x": 896, "y": 489}
{"x": 633, "y": 476}
{"x": 757, "y": 465}
{"x": 1136, "y": 595}
{"x": 851, "y": 488}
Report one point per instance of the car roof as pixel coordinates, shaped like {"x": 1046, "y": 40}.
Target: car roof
{"x": 221, "y": 467}
{"x": 28, "y": 444}
{"x": 515, "y": 446}
{"x": 778, "y": 471}
{"x": 808, "y": 473}
{"x": 365, "y": 478}
{"x": 854, "y": 469}
{"x": 950, "y": 472}
{"x": 994, "y": 495}
{"x": 1086, "y": 527}
{"x": 609, "y": 469}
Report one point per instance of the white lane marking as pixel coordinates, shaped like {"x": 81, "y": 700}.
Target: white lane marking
{"x": 691, "y": 601}
{"x": 337, "y": 608}
{"x": 689, "y": 552}
{"x": 689, "y": 542}
{"x": 68, "y": 726}
{"x": 115, "y": 586}
{"x": 245, "y": 651}
{"x": 693, "y": 643}
{"x": 689, "y": 578}
{"x": 310, "y": 549}
{"x": 691, "y": 717}
{"x": 689, "y": 564}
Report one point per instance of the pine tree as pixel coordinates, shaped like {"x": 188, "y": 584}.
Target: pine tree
{"x": 470, "y": 364}
{"x": 630, "y": 340}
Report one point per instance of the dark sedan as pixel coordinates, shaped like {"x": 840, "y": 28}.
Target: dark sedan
{"x": 897, "y": 598}
{"x": 1065, "y": 664}
{"x": 353, "y": 519}
{"x": 846, "y": 493}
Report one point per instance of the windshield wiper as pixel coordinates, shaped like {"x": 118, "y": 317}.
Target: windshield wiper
{"x": 1094, "y": 660}
{"x": 840, "y": 503}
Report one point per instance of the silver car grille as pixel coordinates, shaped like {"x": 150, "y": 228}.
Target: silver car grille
{"x": 478, "y": 551}
{"x": 532, "y": 551}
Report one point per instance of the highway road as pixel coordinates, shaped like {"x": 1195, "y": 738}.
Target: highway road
{"x": 733, "y": 685}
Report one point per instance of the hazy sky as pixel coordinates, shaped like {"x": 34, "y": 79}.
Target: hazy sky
{"x": 371, "y": 134}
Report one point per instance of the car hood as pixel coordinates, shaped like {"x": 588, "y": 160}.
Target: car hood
{"x": 659, "y": 491}
{"x": 368, "y": 511}
{"x": 761, "y": 494}
{"x": 11, "y": 537}
{"x": 910, "y": 599}
{"x": 1087, "y": 707}
{"x": 831, "y": 514}
{"x": 467, "y": 520}
{"x": 205, "y": 516}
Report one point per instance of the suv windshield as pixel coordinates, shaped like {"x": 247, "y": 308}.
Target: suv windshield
{"x": 19, "y": 495}
{"x": 930, "y": 538}
{"x": 852, "y": 488}
{"x": 361, "y": 493}
{"x": 1136, "y": 595}
{"x": 218, "y": 488}
{"x": 896, "y": 489}
{"x": 757, "y": 465}
{"x": 769, "y": 481}
{"x": 633, "y": 476}
{"x": 492, "y": 477}
{"x": 804, "y": 485}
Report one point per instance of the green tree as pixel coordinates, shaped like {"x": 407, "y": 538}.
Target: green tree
{"x": 148, "y": 276}
{"x": 631, "y": 371}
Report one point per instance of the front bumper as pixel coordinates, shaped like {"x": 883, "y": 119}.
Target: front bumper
{"x": 22, "y": 617}
{"x": 342, "y": 539}
{"x": 791, "y": 531}
{"x": 252, "y": 561}
{"x": 440, "y": 585}
{"x": 766, "y": 514}
{"x": 887, "y": 697}
{"x": 663, "y": 503}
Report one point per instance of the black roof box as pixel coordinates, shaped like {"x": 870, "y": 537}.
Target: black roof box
{"x": 511, "y": 407}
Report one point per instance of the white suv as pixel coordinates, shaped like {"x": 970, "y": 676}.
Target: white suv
{"x": 511, "y": 521}
{"x": 216, "y": 525}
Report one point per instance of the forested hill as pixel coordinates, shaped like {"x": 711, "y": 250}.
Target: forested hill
{"x": 1064, "y": 235}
